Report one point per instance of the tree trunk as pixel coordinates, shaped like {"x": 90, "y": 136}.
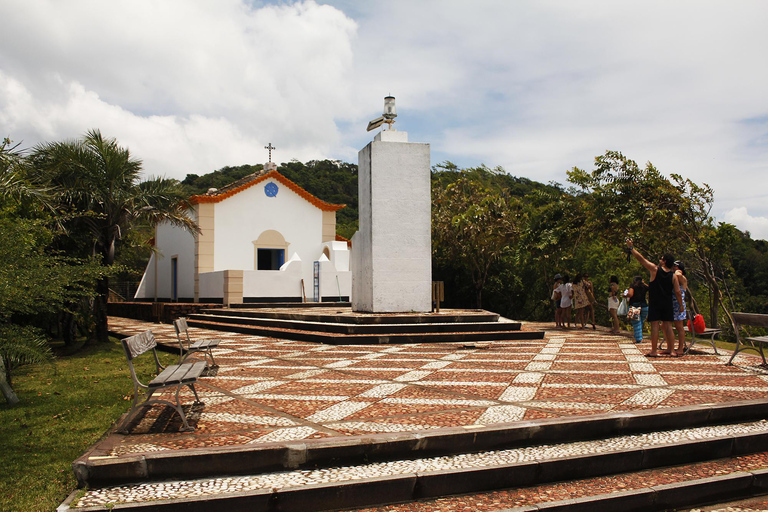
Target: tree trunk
{"x": 5, "y": 385}
{"x": 714, "y": 300}
{"x": 100, "y": 310}
{"x": 69, "y": 328}
{"x": 715, "y": 307}
{"x": 102, "y": 291}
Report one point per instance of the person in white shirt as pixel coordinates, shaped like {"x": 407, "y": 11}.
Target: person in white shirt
{"x": 566, "y": 296}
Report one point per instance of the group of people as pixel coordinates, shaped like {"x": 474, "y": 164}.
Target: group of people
{"x": 578, "y": 296}
{"x": 661, "y": 302}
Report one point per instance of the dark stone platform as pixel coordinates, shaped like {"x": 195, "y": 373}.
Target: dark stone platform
{"x": 339, "y": 325}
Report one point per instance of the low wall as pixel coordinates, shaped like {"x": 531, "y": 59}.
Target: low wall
{"x": 163, "y": 312}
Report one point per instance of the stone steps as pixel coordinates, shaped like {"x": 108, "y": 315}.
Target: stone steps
{"x": 339, "y": 326}
{"x": 366, "y": 339}
{"x": 419, "y": 479}
{"x": 386, "y": 468}
{"x": 352, "y": 329}
{"x": 723, "y": 488}
{"x": 342, "y": 314}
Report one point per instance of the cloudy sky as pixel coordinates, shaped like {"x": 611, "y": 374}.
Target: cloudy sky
{"x": 536, "y": 87}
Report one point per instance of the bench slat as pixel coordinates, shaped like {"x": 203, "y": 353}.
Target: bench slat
{"x": 708, "y": 330}
{"x": 178, "y": 374}
{"x": 205, "y": 344}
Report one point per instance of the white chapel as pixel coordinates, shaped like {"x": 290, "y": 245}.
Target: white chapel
{"x": 262, "y": 239}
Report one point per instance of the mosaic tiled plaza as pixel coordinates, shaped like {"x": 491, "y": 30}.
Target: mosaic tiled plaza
{"x": 268, "y": 391}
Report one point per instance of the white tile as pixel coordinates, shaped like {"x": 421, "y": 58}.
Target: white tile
{"x": 529, "y": 378}
{"x": 338, "y": 411}
{"x": 538, "y": 366}
{"x": 382, "y": 390}
{"x": 302, "y": 398}
{"x": 518, "y": 393}
{"x": 259, "y": 386}
{"x": 435, "y": 401}
{"x": 642, "y": 368}
{"x": 649, "y": 397}
{"x": 247, "y": 419}
{"x": 287, "y": 434}
{"x": 413, "y": 376}
{"x": 436, "y": 365}
{"x": 306, "y": 374}
{"x": 650, "y": 379}
{"x": 501, "y": 414}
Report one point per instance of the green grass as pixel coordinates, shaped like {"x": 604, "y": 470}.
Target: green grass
{"x": 64, "y": 408}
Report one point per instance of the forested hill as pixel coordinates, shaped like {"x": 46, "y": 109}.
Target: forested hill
{"x": 331, "y": 181}
{"x": 336, "y": 182}
{"x": 498, "y": 239}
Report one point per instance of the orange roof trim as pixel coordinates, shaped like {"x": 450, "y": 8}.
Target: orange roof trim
{"x": 216, "y": 198}
{"x": 340, "y": 238}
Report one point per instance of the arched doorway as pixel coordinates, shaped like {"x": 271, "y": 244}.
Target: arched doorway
{"x": 269, "y": 250}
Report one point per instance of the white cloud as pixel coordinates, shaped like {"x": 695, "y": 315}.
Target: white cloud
{"x": 534, "y": 86}
{"x": 189, "y": 86}
{"x": 757, "y": 226}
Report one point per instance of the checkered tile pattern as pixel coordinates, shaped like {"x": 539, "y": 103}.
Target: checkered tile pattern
{"x": 269, "y": 390}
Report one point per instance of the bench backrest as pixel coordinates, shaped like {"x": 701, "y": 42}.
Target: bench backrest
{"x": 136, "y": 345}
{"x": 181, "y": 325}
{"x": 753, "y": 319}
{"x": 182, "y": 331}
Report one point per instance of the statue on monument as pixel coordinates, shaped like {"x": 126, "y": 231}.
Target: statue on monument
{"x": 392, "y": 249}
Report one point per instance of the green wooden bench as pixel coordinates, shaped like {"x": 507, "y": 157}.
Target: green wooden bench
{"x": 755, "y": 343}
{"x": 187, "y": 347}
{"x": 174, "y": 376}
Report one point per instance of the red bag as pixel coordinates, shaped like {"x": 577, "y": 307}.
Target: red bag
{"x": 698, "y": 324}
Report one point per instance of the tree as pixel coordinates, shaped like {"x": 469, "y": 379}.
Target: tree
{"x": 33, "y": 282}
{"x": 660, "y": 214}
{"x": 99, "y": 195}
{"x": 472, "y": 227}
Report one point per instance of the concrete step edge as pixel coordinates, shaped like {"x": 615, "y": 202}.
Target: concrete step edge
{"x": 366, "y": 319}
{"x": 693, "y": 493}
{"x": 409, "y": 487}
{"x": 346, "y": 328}
{"x": 193, "y": 463}
{"x": 368, "y": 339}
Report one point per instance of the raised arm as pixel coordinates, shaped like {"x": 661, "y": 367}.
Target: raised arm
{"x": 644, "y": 262}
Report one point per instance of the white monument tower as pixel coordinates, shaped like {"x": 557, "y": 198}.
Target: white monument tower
{"x": 392, "y": 250}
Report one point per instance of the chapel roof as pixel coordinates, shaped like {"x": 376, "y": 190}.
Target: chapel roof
{"x": 256, "y": 178}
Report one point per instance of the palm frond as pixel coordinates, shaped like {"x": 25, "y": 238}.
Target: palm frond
{"x": 23, "y": 345}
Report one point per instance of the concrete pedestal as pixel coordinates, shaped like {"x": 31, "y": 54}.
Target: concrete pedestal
{"x": 392, "y": 250}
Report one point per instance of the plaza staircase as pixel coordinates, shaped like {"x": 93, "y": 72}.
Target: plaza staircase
{"x": 590, "y": 455}
{"x": 336, "y": 324}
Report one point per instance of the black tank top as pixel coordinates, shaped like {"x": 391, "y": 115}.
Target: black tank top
{"x": 639, "y": 292}
{"x": 660, "y": 290}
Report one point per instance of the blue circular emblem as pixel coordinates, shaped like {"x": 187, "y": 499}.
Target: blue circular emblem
{"x": 270, "y": 189}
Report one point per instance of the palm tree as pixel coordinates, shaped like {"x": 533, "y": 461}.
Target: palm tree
{"x": 99, "y": 196}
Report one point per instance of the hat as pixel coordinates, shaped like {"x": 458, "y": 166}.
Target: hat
{"x": 679, "y": 264}
{"x": 558, "y": 277}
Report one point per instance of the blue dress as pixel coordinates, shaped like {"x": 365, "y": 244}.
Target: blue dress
{"x": 678, "y": 314}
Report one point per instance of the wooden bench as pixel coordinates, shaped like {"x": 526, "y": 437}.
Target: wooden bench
{"x": 709, "y": 331}
{"x": 755, "y": 343}
{"x": 187, "y": 347}
{"x": 174, "y": 376}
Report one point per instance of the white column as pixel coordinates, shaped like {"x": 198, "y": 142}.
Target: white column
{"x": 393, "y": 247}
